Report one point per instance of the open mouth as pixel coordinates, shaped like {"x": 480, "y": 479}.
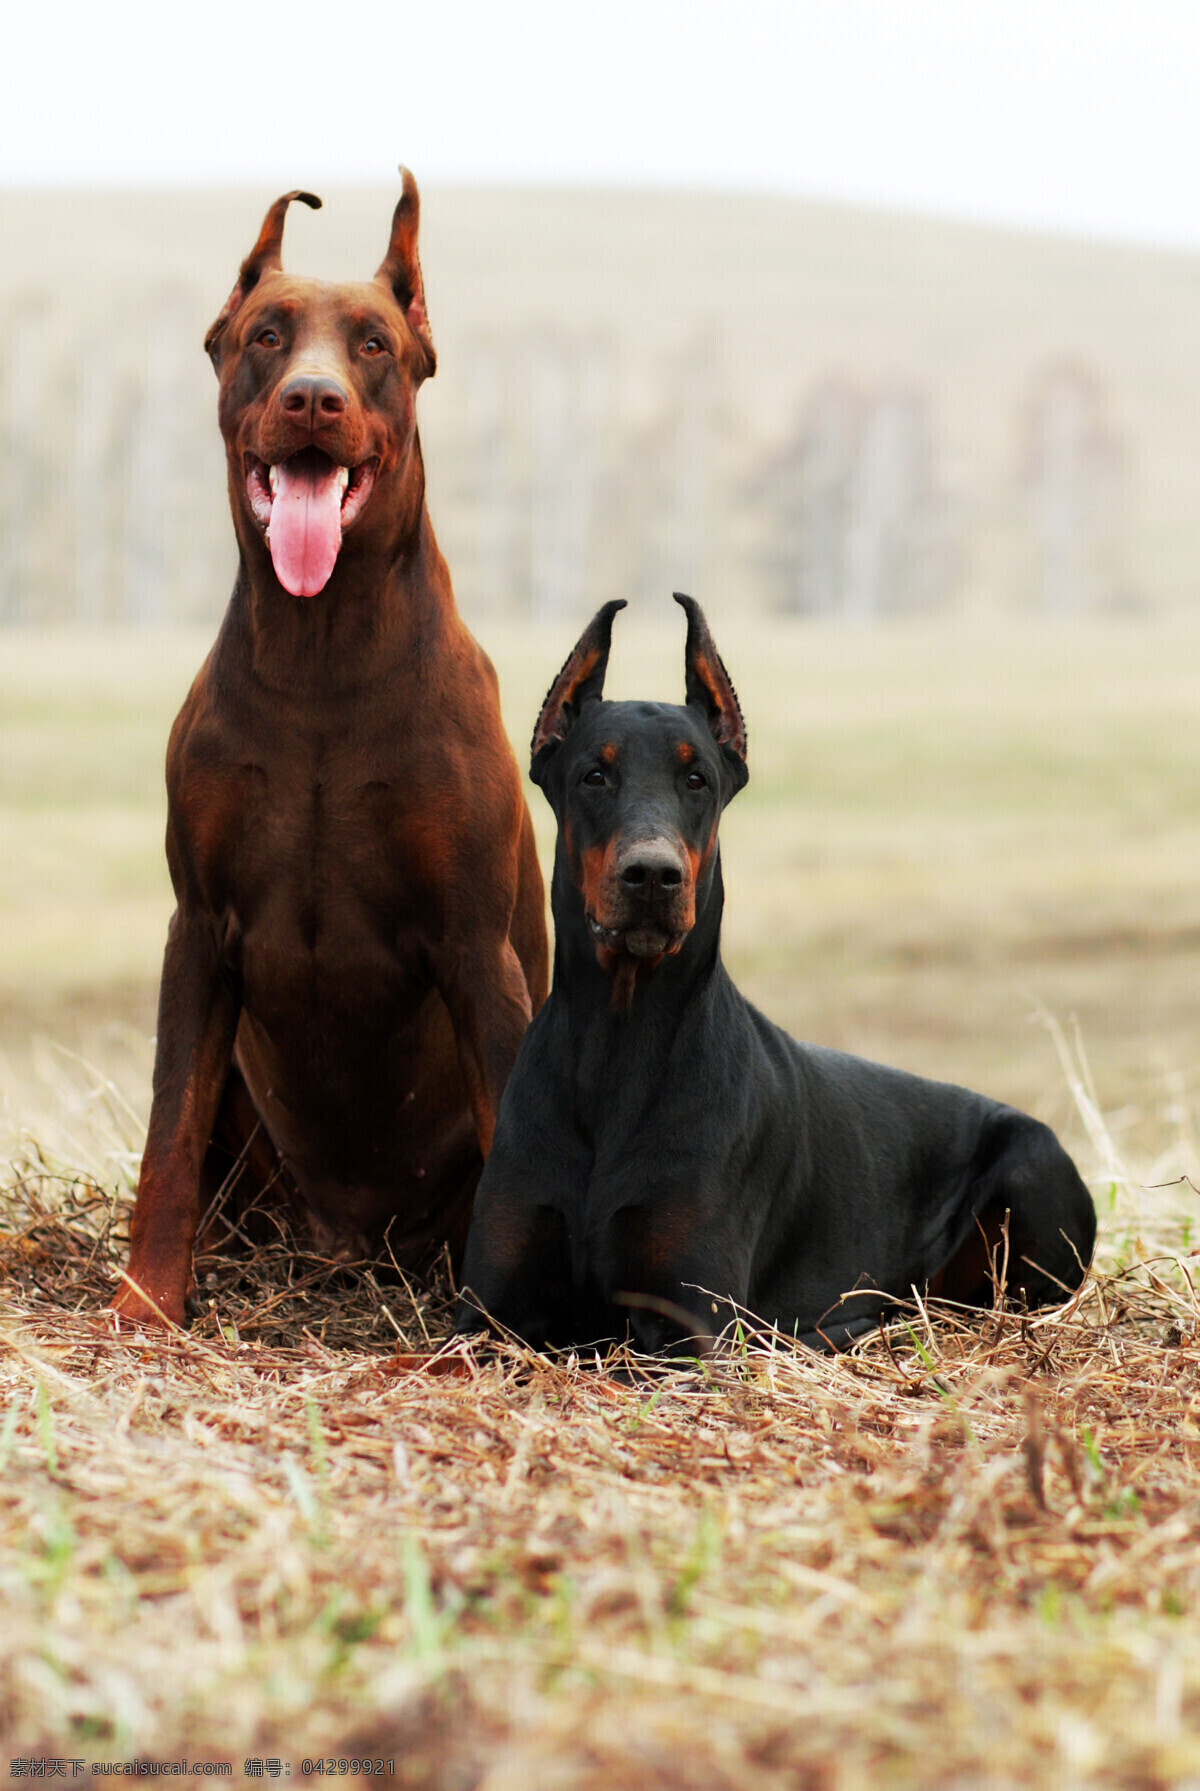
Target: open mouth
{"x": 304, "y": 505}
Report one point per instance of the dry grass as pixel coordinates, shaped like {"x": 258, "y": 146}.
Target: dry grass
{"x": 964, "y": 1555}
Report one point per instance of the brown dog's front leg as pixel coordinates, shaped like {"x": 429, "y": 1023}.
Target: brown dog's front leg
{"x": 197, "y": 1021}
{"x": 489, "y": 1004}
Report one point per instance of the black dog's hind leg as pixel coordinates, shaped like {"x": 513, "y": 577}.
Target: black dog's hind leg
{"x": 1024, "y": 1184}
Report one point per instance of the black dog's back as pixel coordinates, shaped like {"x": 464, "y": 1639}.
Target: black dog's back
{"x": 916, "y": 1182}
{"x": 665, "y": 1156}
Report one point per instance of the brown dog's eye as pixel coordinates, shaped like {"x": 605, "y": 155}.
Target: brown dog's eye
{"x": 696, "y": 780}
{"x": 373, "y": 345}
{"x": 267, "y": 338}
{"x": 595, "y": 777}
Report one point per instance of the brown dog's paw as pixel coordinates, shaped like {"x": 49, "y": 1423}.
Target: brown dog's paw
{"x": 133, "y": 1306}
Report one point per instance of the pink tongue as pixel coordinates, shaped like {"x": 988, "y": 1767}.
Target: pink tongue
{"x": 306, "y": 528}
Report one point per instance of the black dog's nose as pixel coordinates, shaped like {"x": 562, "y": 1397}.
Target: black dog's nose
{"x": 650, "y": 866}
{"x": 313, "y": 398}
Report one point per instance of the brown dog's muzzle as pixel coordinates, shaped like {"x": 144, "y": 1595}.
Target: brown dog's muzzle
{"x": 308, "y": 473}
{"x": 312, "y": 400}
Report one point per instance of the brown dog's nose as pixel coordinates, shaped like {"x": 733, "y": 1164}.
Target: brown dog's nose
{"x": 647, "y": 868}
{"x": 313, "y": 398}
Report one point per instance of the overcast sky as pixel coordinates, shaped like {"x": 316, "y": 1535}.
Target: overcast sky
{"x": 1078, "y": 117}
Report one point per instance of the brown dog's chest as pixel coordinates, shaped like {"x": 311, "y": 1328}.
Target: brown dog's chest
{"x": 301, "y": 858}
{"x": 322, "y": 916}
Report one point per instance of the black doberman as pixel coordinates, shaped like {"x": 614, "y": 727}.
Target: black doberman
{"x": 664, "y": 1155}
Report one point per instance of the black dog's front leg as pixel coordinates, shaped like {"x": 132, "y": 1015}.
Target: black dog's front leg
{"x": 674, "y": 1282}
{"x": 517, "y": 1272}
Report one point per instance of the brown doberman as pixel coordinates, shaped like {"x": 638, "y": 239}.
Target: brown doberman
{"x": 359, "y": 938}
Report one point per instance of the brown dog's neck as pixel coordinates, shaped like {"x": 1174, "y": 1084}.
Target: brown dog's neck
{"x": 382, "y": 600}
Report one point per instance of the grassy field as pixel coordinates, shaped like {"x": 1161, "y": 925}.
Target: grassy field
{"x": 961, "y": 1556}
{"x": 948, "y": 829}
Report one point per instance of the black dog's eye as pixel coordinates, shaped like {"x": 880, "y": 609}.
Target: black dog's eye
{"x": 267, "y": 338}
{"x": 696, "y": 780}
{"x": 595, "y": 777}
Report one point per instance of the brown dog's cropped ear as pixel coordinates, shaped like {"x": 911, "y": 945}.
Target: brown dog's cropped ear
{"x": 708, "y": 687}
{"x": 265, "y": 257}
{"x": 400, "y": 268}
{"x": 582, "y": 677}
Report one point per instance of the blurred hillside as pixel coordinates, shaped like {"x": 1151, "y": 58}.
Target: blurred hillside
{"x": 778, "y": 405}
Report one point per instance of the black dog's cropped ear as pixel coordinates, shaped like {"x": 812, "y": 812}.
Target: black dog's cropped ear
{"x": 582, "y": 677}
{"x": 265, "y": 257}
{"x": 400, "y": 268}
{"x": 708, "y": 687}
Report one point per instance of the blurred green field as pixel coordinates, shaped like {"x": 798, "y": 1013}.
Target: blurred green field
{"x": 950, "y": 831}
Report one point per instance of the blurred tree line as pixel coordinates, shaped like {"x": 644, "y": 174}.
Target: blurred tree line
{"x": 550, "y": 490}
